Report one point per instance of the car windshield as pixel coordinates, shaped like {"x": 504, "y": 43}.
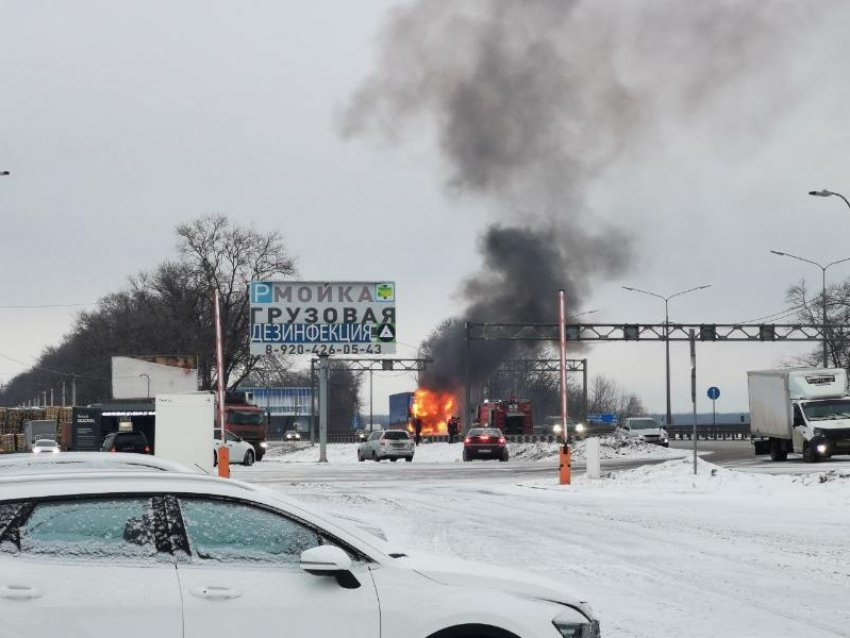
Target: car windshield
{"x": 239, "y": 417}
{"x": 643, "y": 424}
{"x": 44, "y": 443}
{"x": 396, "y": 435}
{"x": 827, "y": 410}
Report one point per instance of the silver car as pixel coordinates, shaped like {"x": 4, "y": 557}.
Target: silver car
{"x": 388, "y": 444}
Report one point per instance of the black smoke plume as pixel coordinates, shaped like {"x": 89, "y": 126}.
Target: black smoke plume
{"x": 532, "y": 100}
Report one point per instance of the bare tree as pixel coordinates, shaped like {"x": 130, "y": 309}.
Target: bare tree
{"x": 222, "y": 256}
{"x": 808, "y": 308}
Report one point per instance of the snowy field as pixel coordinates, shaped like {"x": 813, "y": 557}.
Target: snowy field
{"x": 656, "y": 552}
{"x": 610, "y": 447}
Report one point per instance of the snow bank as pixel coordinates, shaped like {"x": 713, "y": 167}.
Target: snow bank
{"x": 677, "y": 477}
{"x": 611, "y": 447}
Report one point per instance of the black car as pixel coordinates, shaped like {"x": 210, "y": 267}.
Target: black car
{"x": 126, "y": 442}
{"x": 485, "y": 443}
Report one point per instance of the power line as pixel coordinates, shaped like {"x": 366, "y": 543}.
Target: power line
{"x": 49, "y": 370}
{"x": 46, "y": 305}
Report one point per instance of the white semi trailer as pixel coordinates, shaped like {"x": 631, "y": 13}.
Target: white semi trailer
{"x": 801, "y": 410}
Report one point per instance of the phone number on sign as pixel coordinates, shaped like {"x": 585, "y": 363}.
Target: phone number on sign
{"x": 325, "y": 349}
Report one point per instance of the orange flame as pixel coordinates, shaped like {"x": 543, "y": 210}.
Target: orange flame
{"x": 435, "y": 409}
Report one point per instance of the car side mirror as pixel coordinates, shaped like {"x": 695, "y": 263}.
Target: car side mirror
{"x": 327, "y": 560}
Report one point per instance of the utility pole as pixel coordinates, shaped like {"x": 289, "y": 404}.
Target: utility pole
{"x": 694, "y": 389}
{"x": 73, "y": 390}
{"x": 323, "y": 408}
{"x": 63, "y": 394}
{"x": 371, "y": 398}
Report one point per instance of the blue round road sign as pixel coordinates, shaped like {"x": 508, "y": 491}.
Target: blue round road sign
{"x": 714, "y": 393}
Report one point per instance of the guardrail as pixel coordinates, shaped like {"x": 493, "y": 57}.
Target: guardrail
{"x": 719, "y": 432}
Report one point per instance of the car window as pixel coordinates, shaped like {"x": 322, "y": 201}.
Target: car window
{"x": 375, "y": 436}
{"x": 396, "y": 435}
{"x": 97, "y": 528}
{"x": 476, "y": 432}
{"x": 231, "y": 438}
{"x": 225, "y": 531}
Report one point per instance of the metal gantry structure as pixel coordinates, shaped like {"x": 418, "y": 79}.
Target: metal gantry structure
{"x": 636, "y": 332}
{"x": 530, "y": 366}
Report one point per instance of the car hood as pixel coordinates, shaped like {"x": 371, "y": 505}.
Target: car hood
{"x": 461, "y": 573}
{"x": 831, "y": 424}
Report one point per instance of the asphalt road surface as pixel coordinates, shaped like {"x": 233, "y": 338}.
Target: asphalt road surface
{"x": 730, "y": 454}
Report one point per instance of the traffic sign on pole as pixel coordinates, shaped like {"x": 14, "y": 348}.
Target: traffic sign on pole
{"x": 714, "y": 393}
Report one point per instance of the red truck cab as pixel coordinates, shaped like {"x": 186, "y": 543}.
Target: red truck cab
{"x": 247, "y": 422}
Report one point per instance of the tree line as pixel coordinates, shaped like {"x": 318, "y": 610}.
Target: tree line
{"x": 169, "y": 310}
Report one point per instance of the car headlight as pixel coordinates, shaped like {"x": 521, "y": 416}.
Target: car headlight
{"x": 574, "y": 624}
{"x": 264, "y": 444}
{"x": 580, "y": 427}
{"x": 36, "y": 450}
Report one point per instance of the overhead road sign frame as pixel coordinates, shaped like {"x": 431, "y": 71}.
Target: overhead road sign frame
{"x": 651, "y": 332}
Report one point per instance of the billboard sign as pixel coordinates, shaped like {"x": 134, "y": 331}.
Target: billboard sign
{"x": 85, "y": 429}
{"x": 323, "y": 318}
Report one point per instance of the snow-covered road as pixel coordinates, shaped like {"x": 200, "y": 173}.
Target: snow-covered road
{"x": 655, "y": 552}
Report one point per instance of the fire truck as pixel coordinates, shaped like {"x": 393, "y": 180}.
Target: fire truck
{"x": 511, "y": 417}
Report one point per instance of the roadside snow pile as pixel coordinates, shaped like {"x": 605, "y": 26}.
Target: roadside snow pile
{"x": 677, "y": 477}
{"x": 611, "y": 447}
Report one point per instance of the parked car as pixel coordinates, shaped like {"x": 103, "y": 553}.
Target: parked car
{"x": 387, "y": 444}
{"x": 175, "y": 554}
{"x": 485, "y": 443}
{"x": 134, "y": 442}
{"x": 48, "y": 446}
{"x": 292, "y": 435}
{"x": 646, "y": 429}
{"x": 240, "y": 450}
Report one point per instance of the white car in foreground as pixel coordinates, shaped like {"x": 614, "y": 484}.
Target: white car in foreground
{"x": 172, "y": 555}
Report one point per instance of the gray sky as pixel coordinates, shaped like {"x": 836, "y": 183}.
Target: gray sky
{"x": 120, "y": 120}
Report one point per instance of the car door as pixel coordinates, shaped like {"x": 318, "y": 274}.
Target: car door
{"x": 244, "y": 577}
{"x": 86, "y": 567}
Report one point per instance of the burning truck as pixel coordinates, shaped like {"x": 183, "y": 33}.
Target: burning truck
{"x": 435, "y": 409}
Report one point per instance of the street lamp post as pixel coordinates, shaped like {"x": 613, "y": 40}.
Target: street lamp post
{"x": 823, "y": 292}
{"x": 666, "y": 301}
{"x": 827, "y": 193}
{"x": 149, "y": 383}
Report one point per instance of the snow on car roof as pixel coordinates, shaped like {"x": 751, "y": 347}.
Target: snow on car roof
{"x": 85, "y": 462}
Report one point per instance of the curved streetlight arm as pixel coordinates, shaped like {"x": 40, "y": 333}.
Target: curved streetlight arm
{"x": 808, "y": 261}
{"x": 684, "y": 292}
{"x": 835, "y": 263}
{"x": 828, "y": 193}
{"x": 645, "y": 292}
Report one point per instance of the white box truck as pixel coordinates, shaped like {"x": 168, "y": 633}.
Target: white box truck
{"x": 801, "y": 410}
{"x": 184, "y": 429}
{"x": 41, "y": 429}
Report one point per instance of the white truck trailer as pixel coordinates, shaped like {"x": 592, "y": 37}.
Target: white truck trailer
{"x": 801, "y": 410}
